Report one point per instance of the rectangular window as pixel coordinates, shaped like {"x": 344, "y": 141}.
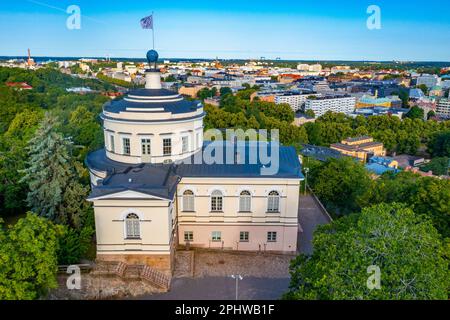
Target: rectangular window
{"x": 167, "y": 147}
{"x": 243, "y": 236}
{"x": 126, "y": 146}
{"x": 185, "y": 144}
{"x": 112, "y": 148}
{"x": 271, "y": 236}
{"x": 188, "y": 236}
{"x": 216, "y": 236}
{"x": 198, "y": 140}
{"x": 146, "y": 146}
{"x": 216, "y": 203}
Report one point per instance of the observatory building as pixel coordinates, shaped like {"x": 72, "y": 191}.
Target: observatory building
{"x": 151, "y": 195}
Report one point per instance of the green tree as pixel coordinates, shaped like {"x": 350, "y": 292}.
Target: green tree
{"x": 54, "y": 188}
{"x": 225, "y": 90}
{"x": 310, "y": 113}
{"x": 28, "y": 261}
{"x": 204, "y": 93}
{"x": 440, "y": 144}
{"x": 427, "y": 196}
{"x": 415, "y": 113}
{"x": 431, "y": 114}
{"x": 340, "y": 184}
{"x": 424, "y": 88}
{"x": 48, "y": 171}
{"x": 405, "y": 247}
{"x": 439, "y": 166}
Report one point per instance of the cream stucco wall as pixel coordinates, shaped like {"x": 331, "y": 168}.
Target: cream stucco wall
{"x": 156, "y": 226}
{"x": 230, "y": 222}
{"x": 135, "y": 131}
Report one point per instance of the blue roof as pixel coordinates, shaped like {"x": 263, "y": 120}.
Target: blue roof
{"x": 378, "y": 169}
{"x": 161, "y": 179}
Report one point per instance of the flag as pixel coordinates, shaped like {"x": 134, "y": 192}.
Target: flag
{"x": 147, "y": 22}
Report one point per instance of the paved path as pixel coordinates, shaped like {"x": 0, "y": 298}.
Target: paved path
{"x": 223, "y": 288}
{"x": 310, "y": 216}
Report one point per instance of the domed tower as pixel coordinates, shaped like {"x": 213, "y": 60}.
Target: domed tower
{"x": 152, "y": 125}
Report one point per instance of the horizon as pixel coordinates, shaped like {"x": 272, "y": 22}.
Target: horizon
{"x": 224, "y": 59}
{"x": 231, "y": 31}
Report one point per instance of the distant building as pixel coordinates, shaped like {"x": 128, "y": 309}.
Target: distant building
{"x": 320, "y": 153}
{"x": 190, "y": 90}
{"x": 213, "y": 101}
{"x": 361, "y": 148}
{"x": 295, "y": 99}
{"x": 405, "y": 160}
{"x": 19, "y": 85}
{"x": 306, "y": 69}
{"x": 288, "y": 77}
{"x": 376, "y": 111}
{"x": 436, "y": 91}
{"x": 416, "y": 94}
{"x": 373, "y": 101}
{"x": 430, "y": 80}
{"x": 300, "y": 119}
{"x": 380, "y": 165}
{"x": 320, "y": 105}
{"x": 443, "y": 108}
{"x": 315, "y": 85}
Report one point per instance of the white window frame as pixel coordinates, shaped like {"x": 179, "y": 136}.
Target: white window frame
{"x": 216, "y": 236}
{"x": 112, "y": 144}
{"x": 272, "y": 236}
{"x": 164, "y": 146}
{"x": 185, "y": 147}
{"x": 188, "y": 236}
{"x": 132, "y": 226}
{"x": 188, "y": 207}
{"x": 147, "y": 151}
{"x": 215, "y": 202}
{"x": 124, "y": 145}
{"x": 273, "y": 199}
{"x": 197, "y": 139}
{"x": 244, "y": 236}
{"x": 245, "y": 200}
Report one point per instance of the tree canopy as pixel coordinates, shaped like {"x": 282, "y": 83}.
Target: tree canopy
{"x": 404, "y": 246}
{"x": 28, "y": 258}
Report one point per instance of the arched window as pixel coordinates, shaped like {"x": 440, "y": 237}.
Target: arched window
{"x": 273, "y": 202}
{"x": 216, "y": 201}
{"x": 245, "y": 199}
{"x": 132, "y": 226}
{"x": 188, "y": 200}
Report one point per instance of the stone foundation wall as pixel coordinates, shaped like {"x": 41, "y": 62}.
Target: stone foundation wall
{"x": 161, "y": 263}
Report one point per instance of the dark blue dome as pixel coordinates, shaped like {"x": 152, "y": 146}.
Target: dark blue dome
{"x": 152, "y": 56}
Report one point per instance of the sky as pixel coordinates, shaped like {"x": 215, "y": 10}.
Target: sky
{"x": 411, "y": 30}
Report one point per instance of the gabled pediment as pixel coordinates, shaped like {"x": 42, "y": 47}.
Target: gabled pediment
{"x": 126, "y": 195}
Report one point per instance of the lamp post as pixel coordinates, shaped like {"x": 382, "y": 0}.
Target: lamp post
{"x": 306, "y": 178}
{"x": 237, "y": 277}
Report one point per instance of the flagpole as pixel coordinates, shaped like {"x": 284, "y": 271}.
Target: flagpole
{"x": 153, "y": 30}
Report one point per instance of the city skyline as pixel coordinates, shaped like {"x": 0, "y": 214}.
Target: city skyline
{"x": 232, "y": 30}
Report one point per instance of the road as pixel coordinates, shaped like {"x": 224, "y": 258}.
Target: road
{"x": 221, "y": 288}
{"x": 310, "y": 217}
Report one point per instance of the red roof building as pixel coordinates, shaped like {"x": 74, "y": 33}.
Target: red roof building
{"x": 19, "y": 85}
